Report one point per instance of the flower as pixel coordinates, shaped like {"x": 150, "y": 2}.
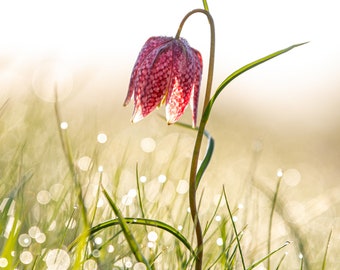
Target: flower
{"x": 167, "y": 71}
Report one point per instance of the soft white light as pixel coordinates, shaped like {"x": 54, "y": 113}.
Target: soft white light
{"x": 219, "y": 241}
{"x": 148, "y": 145}
{"x": 162, "y": 178}
{"x": 102, "y": 138}
{"x": 26, "y": 257}
{"x": 152, "y": 236}
{"x": 63, "y": 125}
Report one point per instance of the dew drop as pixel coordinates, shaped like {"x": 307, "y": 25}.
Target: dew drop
{"x": 139, "y": 266}
{"x": 84, "y": 163}
{"x": 34, "y": 231}
{"x": 57, "y": 259}
{"x": 219, "y": 241}
{"x": 152, "y": 236}
{"x": 26, "y": 257}
{"x": 182, "y": 187}
{"x": 90, "y": 265}
{"x": 40, "y": 238}
{"x": 218, "y": 218}
{"x": 110, "y": 249}
{"x": 24, "y": 240}
{"x": 128, "y": 264}
{"x": 96, "y": 253}
{"x": 148, "y": 145}
{"x": 142, "y": 179}
{"x": 132, "y": 193}
{"x": 43, "y": 197}
{"x": 98, "y": 240}
{"x": 4, "y": 263}
{"x": 151, "y": 244}
{"x": 162, "y": 178}
{"x": 279, "y": 173}
{"x": 102, "y": 138}
{"x": 63, "y": 125}
{"x": 179, "y": 227}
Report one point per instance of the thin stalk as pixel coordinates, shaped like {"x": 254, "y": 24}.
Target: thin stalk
{"x": 199, "y": 137}
{"x": 271, "y": 220}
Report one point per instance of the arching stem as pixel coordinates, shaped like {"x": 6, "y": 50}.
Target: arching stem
{"x": 194, "y": 162}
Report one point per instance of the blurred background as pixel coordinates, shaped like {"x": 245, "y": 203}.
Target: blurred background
{"x": 283, "y": 114}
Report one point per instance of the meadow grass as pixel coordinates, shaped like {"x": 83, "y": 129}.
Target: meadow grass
{"x": 74, "y": 197}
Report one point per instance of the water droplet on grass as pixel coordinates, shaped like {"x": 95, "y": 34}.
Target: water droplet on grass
{"x": 219, "y": 242}
{"x": 90, "y": 265}
{"x": 57, "y": 259}
{"x": 152, "y": 236}
{"x": 142, "y": 179}
{"x": 26, "y": 257}
{"x": 102, "y": 138}
{"x": 43, "y": 197}
{"x": 84, "y": 163}
{"x": 63, "y": 125}
{"x": 24, "y": 240}
{"x": 148, "y": 145}
{"x": 182, "y": 187}
{"x": 4, "y": 262}
{"x": 34, "y": 231}
{"x": 162, "y": 178}
{"x": 139, "y": 266}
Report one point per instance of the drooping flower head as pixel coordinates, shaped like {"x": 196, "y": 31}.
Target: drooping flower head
{"x": 167, "y": 71}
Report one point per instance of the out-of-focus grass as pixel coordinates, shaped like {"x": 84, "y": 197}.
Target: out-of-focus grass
{"x": 40, "y": 213}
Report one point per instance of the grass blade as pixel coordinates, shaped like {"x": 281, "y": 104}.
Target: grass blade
{"x": 271, "y": 220}
{"x": 243, "y": 69}
{"x": 127, "y": 233}
{"x": 208, "y": 153}
{"x": 140, "y": 221}
{"x": 326, "y": 251}
{"x": 269, "y": 255}
{"x": 234, "y": 228}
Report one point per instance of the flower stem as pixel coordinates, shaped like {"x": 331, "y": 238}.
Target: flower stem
{"x": 204, "y": 119}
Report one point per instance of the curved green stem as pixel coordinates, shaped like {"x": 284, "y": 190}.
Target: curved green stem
{"x": 199, "y": 137}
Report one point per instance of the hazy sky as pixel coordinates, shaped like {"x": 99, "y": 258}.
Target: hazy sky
{"x": 304, "y": 82}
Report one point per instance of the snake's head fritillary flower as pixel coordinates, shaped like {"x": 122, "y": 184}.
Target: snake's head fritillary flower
{"x": 167, "y": 71}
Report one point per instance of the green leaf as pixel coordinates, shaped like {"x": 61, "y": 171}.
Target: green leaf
{"x": 243, "y": 69}
{"x": 127, "y": 233}
{"x": 268, "y": 256}
{"x": 141, "y": 221}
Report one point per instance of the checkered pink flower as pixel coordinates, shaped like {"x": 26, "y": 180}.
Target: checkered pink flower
{"x": 167, "y": 71}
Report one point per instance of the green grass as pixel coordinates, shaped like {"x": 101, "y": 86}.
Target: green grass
{"x": 57, "y": 210}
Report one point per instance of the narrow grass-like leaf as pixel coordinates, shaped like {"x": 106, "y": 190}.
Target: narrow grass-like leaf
{"x": 240, "y": 71}
{"x": 326, "y": 251}
{"x": 235, "y": 230}
{"x": 208, "y": 154}
{"x": 269, "y": 255}
{"x": 281, "y": 260}
{"x": 269, "y": 240}
{"x": 206, "y": 159}
{"x": 213, "y": 216}
{"x": 139, "y": 193}
{"x": 140, "y": 221}
{"x": 135, "y": 249}
{"x": 301, "y": 264}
